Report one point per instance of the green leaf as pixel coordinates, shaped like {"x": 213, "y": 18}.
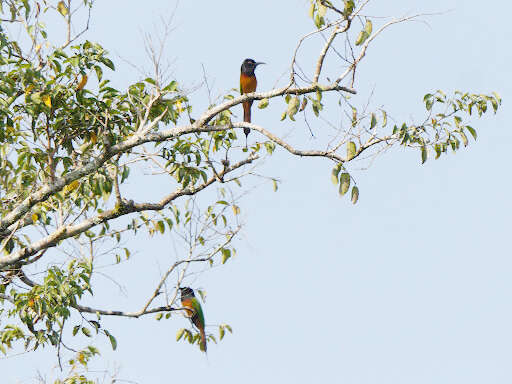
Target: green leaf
{"x": 335, "y": 172}
{"x": 384, "y": 118}
{"x": 99, "y": 72}
{"x": 351, "y": 150}
{"x": 226, "y": 254}
{"x": 179, "y": 334}
{"x": 423, "y": 154}
{"x": 113, "y": 341}
{"x": 344, "y": 183}
{"x": 373, "y": 121}
{"x": 354, "y": 116}
{"x": 355, "y": 194}
{"x": 368, "y": 27}
{"x": 457, "y": 120}
{"x": 437, "y": 148}
{"x": 349, "y": 8}
{"x": 86, "y": 332}
{"x": 293, "y": 107}
{"x": 221, "y": 332}
{"x": 319, "y": 21}
{"x": 108, "y": 63}
{"x": 494, "y": 103}
{"x": 160, "y": 226}
{"x": 362, "y": 37}
{"x": 263, "y": 103}
{"x": 171, "y": 87}
{"x": 464, "y": 138}
{"x": 96, "y": 325}
{"x": 472, "y": 131}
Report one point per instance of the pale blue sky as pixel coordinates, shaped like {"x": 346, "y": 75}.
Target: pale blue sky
{"x": 411, "y": 285}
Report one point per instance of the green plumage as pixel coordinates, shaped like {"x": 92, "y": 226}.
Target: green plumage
{"x": 198, "y": 312}
{"x": 194, "y": 312}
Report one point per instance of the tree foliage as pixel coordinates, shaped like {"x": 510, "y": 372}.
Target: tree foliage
{"x": 70, "y": 142}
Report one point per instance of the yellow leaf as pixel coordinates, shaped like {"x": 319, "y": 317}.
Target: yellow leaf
{"x": 61, "y": 7}
{"x": 29, "y": 89}
{"x": 179, "y": 107}
{"x": 71, "y": 186}
{"x": 179, "y": 334}
{"x": 236, "y": 209}
{"x": 47, "y": 101}
{"x": 94, "y": 138}
{"x": 34, "y": 217}
{"x": 351, "y": 150}
{"x": 82, "y": 83}
{"x": 38, "y": 47}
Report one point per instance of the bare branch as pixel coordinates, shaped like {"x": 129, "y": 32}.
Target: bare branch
{"x": 362, "y": 53}
{"x": 327, "y": 154}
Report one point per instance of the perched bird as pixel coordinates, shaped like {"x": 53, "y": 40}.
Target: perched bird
{"x": 248, "y": 84}
{"x": 194, "y": 312}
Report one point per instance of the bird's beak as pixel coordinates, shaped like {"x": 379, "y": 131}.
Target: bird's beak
{"x": 258, "y": 63}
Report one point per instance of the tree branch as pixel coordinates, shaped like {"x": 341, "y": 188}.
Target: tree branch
{"x": 143, "y": 136}
{"x": 328, "y": 154}
{"x": 68, "y": 231}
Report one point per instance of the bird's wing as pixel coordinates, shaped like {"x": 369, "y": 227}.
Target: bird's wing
{"x": 197, "y": 312}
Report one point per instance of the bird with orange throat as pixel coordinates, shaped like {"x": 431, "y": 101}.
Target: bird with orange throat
{"x": 248, "y": 84}
{"x": 194, "y": 312}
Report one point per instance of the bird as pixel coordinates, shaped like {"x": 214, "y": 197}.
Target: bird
{"x": 194, "y": 312}
{"x": 248, "y": 84}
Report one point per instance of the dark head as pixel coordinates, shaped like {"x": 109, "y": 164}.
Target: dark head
{"x": 187, "y": 292}
{"x": 248, "y": 66}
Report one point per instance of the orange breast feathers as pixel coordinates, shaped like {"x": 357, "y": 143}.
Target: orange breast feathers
{"x": 188, "y": 304}
{"x": 247, "y": 85}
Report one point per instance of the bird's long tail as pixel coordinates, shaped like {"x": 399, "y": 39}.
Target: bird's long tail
{"x": 202, "y": 343}
{"x": 247, "y": 118}
{"x": 247, "y": 111}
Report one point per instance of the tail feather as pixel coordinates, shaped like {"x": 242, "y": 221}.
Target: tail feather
{"x": 202, "y": 343}
{"x": 247, "y": 118}
{"x": 247, "y": 111}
